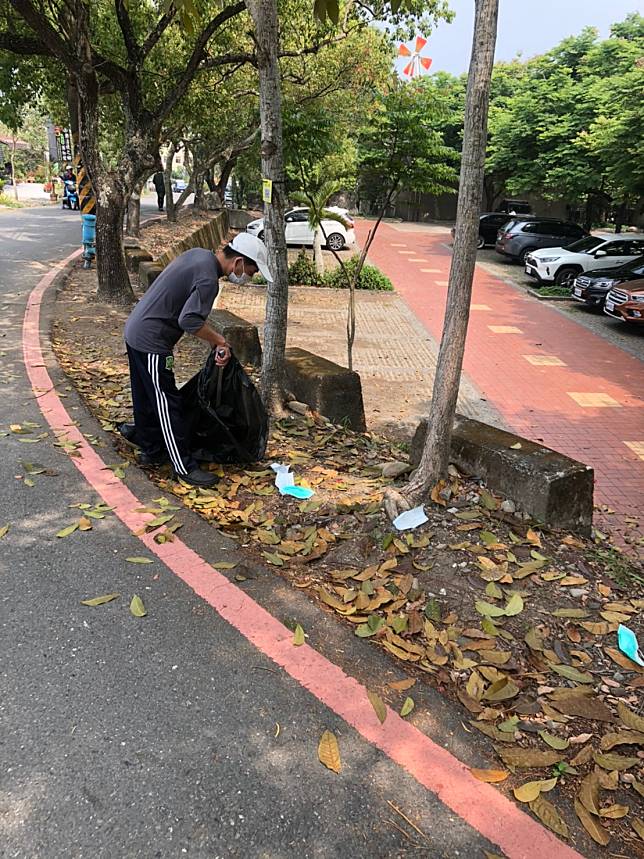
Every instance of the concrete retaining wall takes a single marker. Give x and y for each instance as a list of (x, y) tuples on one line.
[(550, 487), (211, 235)]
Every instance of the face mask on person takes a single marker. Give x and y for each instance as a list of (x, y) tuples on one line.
[(239, 278)]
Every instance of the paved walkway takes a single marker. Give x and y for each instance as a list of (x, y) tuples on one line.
[(551, 379), (394, 354)]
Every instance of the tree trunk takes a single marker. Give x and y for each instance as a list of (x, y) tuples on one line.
[(113, 280), (197, 180), (14, 181), (435, 457), (170, 210), (318, 256), (264, 15), (133, 220)]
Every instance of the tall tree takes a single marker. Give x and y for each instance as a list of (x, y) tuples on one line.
[(435, 458), (267, 40)]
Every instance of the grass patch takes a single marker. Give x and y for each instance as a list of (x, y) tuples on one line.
[(555, 291), (9, 202), (617, 566)]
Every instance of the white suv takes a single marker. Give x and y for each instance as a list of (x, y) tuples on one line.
[(298, 231), (562, 265)]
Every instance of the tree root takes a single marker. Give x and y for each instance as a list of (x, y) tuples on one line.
[(395, 503)]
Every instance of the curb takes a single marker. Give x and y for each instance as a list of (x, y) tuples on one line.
[(539, 297)]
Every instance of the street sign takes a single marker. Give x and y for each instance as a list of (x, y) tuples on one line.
[(267, 190), (59, 140)]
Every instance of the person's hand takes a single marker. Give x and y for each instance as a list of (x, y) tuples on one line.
[(222, 355)]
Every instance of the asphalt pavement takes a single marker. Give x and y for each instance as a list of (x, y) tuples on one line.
[(162, 736)]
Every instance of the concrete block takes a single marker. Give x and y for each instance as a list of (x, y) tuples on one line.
[(550, 487), (134, 257), (239, 219), (241, 335), (148, 273), (330, 389)]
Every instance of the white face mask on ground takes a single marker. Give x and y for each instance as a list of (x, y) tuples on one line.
[(239, 278)]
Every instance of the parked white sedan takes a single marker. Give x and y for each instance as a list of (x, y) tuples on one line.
[(298, 231), (562, 265)]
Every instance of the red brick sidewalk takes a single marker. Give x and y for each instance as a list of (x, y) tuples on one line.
[(552, 380)]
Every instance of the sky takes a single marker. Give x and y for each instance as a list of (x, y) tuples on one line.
[(528, 27)]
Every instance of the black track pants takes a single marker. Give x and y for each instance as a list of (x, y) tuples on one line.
[(157, 408)]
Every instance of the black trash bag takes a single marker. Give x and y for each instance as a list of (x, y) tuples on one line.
[(225, 418)]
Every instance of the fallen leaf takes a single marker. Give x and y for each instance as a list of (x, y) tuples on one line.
[(516, 446), (514, 605), (549, 816), (584, 706), (583, 757), (490, 776), (137, 560), (571, 673), (402, 685), (614, 761), (623, 661), (571, 612), (614, 812), (533, 538), (621, 738), (274, 559), (137, 608), (529, 758), (596, 627), (554, 742), (488, 610), (100, 600), (4, 530), (329, 752), (493, 732), (298, 636), (501, 690), (629, 718), (407, 707), (378, 705), (65, 532), (531, 789), (589, 793), (638, 826), (592, 826), (84, 524)]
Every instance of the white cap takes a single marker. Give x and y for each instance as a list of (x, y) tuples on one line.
[(255, 249)]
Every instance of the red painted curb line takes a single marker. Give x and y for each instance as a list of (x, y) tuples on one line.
[(481, 806)]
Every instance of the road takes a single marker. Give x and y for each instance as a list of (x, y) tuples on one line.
[(173, 734), (552, 379)]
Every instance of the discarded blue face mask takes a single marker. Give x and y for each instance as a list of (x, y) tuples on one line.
[(628, 644), (410, 519), (297, 491)]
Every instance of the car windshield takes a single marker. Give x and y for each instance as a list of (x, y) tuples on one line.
[(584, 245), (633, 266)]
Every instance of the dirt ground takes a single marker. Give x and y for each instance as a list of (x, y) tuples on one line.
[(516, 624)]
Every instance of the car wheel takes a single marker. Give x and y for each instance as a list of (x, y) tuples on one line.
[(524, 253), (335, 241), (566, 276), (481, 243)]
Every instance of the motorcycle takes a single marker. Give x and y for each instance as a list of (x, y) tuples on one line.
[(70, 195)]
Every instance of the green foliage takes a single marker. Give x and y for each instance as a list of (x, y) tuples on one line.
[(371, 278), (403, 146), (568, 123), (302, 272)]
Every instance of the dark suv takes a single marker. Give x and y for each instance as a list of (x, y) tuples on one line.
[(592, 287), (489, 225), (522, 235)]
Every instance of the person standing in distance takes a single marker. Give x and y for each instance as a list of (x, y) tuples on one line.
[(179, 301), (158, 180)]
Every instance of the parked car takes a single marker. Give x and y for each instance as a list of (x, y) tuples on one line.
[(592, 287), (179, 185), (489, 225), (521, 236), (562, 265), (298, 231), (626, 303)]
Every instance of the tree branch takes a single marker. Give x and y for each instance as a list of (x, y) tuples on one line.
[(46, 32), (131, 45), (27, 46), (196, 57), (153, 37)]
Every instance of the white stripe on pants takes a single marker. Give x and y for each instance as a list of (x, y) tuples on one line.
[(164, 415)]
